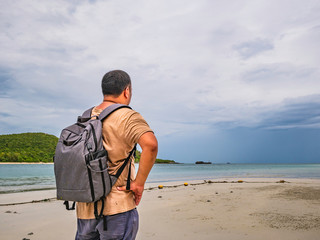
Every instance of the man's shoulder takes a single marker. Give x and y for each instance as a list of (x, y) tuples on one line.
[(128, 115), (121, 112), (125, 114), (125, 111)]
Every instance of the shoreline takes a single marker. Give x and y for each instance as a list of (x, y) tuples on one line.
[(43, 194), (26, 163), (259, 208), (178, 163), (176, 183)]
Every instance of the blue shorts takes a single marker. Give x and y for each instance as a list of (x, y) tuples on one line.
[(119, 226)]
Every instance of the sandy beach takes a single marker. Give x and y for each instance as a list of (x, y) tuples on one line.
[(219, 209)]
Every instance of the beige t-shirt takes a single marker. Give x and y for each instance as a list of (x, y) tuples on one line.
[(121, 131)]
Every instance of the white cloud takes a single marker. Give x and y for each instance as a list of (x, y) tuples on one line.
[(194, 64)]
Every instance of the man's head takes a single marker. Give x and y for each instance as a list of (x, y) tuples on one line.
[(115, 84)]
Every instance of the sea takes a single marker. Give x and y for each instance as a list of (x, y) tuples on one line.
[(31, 177)]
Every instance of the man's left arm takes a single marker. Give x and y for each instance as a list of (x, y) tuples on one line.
[(149, 145)]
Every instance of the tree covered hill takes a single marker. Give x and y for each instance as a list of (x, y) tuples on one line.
[(158, 160), (27, 147), (36, 147)]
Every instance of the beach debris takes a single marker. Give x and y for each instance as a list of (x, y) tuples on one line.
[(8, 212), (216, 192), (281, 181), (186, 184), (240, 181), (159, 196), (30, 233), (231, 191), (160, 186), (208, 200)]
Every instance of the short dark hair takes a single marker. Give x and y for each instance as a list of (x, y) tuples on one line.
[(114, 82)]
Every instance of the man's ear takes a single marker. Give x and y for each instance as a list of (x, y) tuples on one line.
[(127, 92)]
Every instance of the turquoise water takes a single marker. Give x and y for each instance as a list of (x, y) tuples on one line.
[(26, 177), (213, 171)]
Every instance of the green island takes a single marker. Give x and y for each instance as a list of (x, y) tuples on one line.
[(36, 148), (27, 147), (158, 160)]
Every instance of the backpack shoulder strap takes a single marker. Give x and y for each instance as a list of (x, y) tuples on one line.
[(107, 111), (87, 113)]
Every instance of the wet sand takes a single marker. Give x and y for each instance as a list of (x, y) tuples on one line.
[(224, 209)]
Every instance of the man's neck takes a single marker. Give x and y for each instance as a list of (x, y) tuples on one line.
[(111, 101)]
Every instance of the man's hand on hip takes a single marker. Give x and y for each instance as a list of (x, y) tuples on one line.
[(136, 189)]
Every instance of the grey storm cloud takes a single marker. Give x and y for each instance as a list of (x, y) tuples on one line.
[(194, 64), (295, 113)]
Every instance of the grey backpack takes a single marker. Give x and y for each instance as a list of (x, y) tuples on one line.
[(81, 162)]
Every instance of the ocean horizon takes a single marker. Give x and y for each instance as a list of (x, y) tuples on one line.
[(32, 177)]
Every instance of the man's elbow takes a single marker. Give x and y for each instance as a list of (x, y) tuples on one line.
[(149, 143), (153, 147)]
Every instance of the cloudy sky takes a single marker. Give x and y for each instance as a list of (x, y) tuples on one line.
[(220, 81)]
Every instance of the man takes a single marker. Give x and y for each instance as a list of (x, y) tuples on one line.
[(121, 131)]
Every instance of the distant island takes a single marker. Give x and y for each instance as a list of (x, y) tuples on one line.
[(202, 162), (158, 160), (37, 147)]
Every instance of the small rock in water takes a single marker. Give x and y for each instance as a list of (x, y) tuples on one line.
[(231, 191), (159, 196), (216, 192), (8, 212), (31, 233), (25, 239), (208, 200)]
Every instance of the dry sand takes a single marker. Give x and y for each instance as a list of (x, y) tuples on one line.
[(255, 209)]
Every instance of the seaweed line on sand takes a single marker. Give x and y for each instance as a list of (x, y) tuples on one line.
[(151, 188), (33, 201), (209, 182)]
